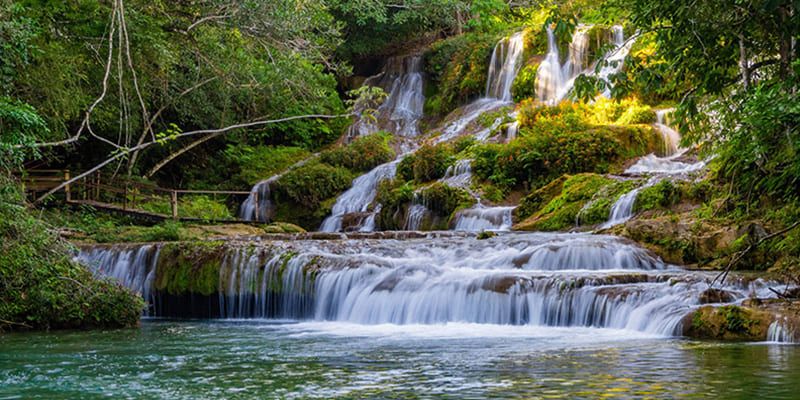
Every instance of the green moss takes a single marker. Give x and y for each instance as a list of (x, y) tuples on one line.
[(561, 211), (394, 195), (309, 185), (524, 85), (659, 196), (362, 155), (282, 227), (444, 200), (189, 268)]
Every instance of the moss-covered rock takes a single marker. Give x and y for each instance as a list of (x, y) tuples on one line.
[(444, 200), (189, 268), (561, 211), (729, 322)]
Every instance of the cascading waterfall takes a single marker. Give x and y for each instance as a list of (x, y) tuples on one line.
[(359, 197), (533, 279), (482, 218), (555, 81), (779, 332), (506, 61), (403, 81), (459, 174), (504, 66), (657, 168), (414, 217)]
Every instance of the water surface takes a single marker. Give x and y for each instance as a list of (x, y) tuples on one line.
[(268, 359)]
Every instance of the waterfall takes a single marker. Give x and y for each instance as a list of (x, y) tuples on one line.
[(359, 197), (248, 209), (504, 66), (132, 266), (459, 174), (403, 81), (512, 131), (779, 332), (671, 137), (416, 213), (521, 279), (550, 79), (481, 218), (555, 81)]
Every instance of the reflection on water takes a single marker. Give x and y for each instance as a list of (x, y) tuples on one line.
[(179, 360)]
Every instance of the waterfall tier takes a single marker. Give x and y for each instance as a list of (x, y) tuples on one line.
[(534, 279)]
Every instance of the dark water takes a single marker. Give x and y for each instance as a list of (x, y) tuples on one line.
[(220, 360)]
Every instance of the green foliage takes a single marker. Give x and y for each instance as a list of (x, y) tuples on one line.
[(362, 155), (394, 195), (663, 195), (20, 125), (41, 287), (524, 85), (639, 114), (257, 163), (312, 183), (444, 200), (427, 164), (457, 68), (561, 212), (194, 206)]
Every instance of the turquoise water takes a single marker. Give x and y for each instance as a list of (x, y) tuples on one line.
[(262, 359)]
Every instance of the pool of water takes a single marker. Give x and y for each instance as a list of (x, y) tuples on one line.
[(284, 359)]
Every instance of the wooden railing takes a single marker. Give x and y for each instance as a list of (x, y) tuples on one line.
[(124, 195)]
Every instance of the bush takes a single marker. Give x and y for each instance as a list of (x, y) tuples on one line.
[(310, 184), (394, 195), (637, 114), (41, 287), (444, 200), (457, 68), (199, 206), (664, 194), (524, 85), (362, 155), (256, 163)]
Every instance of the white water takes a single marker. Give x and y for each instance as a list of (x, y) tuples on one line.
[(504, 66), (563, 280), (459, 174), (248, 209), (403, 81), (133, 267), (658, 168), (512, 131), (779, 332), (416, 213), (556, 80), (482, 218), (359, 197)]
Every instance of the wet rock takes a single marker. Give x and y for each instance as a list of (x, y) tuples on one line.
[(712, 295), (730, 322)]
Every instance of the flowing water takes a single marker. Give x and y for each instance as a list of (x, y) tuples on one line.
[(482, 218), (274, 359), (359, 197), (505, 64), (403, 81), (556, 280), (657, 168)]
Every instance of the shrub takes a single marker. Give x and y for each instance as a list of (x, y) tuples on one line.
[(41, 287), (444, 200), (524, 85), (637, 114), (362, 155), (307, 186), (664, 194), (256, 163), (457, 68)]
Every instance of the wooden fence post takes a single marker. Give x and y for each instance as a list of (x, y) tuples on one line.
[(255, 200), (67, 191), (174, 203)]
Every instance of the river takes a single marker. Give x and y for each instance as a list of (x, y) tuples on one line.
[(285, 359)]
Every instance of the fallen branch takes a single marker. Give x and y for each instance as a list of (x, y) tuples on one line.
[(4, 322), (724, 273), (145, 145)]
